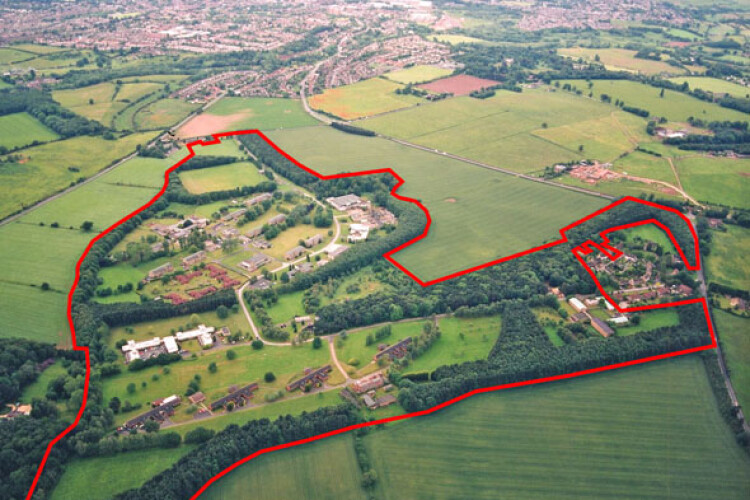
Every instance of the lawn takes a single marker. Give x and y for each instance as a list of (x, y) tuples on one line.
[(22, 129), (651, 320), (355, 347), (287, 307), (245, 113), (621, 59), (322, 469), (715, 85), (222, 177), (734, 334), (727, 263), (417, 74), (675, 106), (365, 98), (41, 172), (723, 181), (478, 215), (123, 472)]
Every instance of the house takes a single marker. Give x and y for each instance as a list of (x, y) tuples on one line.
[(160, 271), (601, 327), (368, 383), (314, 377), (369, 402), (17, 411), (158, 414), (386, 400), (196, 398), (397, 350), (294, 253), (224, 331), (258, 199), (193, 259), (684, 290), (255, 262), (577, 304), (358, 232), (276, 220), (346, 202), (334, 251), (210, 246), (313, 240), (238, 397)]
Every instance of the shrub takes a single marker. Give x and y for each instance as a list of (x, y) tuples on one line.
[(269, 377), (257, 344), (231, 355), (353, 362)]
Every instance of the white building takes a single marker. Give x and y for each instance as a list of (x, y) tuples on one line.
[(618, 320), (577, 304), (358, 232), (171, 344), (202, 333)]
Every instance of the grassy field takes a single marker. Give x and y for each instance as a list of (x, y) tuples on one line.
[(128, 470), (22, 129), (727, 263), (222, 177), (10, 55), (651, 320), (243, 113), (42, 172), (163, 113), (508, 130), (715, 85), (417, 74), (456, 39), (108, 99), (38, 389), (734, 333), (649, 232), (322, 469), (621, 59), (365, 98), (716, 180), (478, 215), (645, 165), (675, 106), (355, 347)]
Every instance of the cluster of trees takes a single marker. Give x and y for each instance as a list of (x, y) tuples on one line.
[(351, 129), (184, 478), (726, 136), (19, 366), (524, 352), (112, 445)]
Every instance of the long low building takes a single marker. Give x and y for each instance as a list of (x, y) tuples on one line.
[(202, 333), (246, 393), (158, 414), (397, 350), (313, 377)]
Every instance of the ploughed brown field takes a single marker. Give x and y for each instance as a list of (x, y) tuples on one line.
[(458, 85)]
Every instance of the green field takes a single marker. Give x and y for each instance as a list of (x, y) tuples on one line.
[(163, 113), (322, 469), (456, 39), (478, 215), (727, 263), (713, 85), (645, 165), (417, 74), (108, 99), (41, 172), (365, 98), (508, 130), (230, 176), (10, 55), (22, 129), (675, 106), (621, 59), (723, 181), (38, 389), (246, 113), (649, 232), (614, 435), (734, 334), (128, 470)]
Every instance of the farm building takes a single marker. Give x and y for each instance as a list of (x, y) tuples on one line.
[(313, 240), (258, 199), (601, 327), (358, 232), (618, 320), (346, 202), (160, 271), (255, 262), (314, 377), (374, 381), (577, 304), (237, 397), (397, 350), (193, 259), (294, 253)]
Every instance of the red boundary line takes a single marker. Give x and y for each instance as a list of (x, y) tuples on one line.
[(583, 249)]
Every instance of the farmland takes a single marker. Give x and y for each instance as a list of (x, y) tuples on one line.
[(244, 113), (727, 262), (417, 74), (163, 113), (675, 106), (365, 98), (459, 197), (103, 101), (323, 469), (733, 332), (222, 177), (615, 434), (713, 85), (640, 164), (621, 59), (22, 129), (458, 85), (722, 181)]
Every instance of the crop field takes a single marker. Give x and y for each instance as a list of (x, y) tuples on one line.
[(724, 181), (645, 165), (735, 340), (129, 470), (322, 469), (508, 130), (727, 263), (478, 215), (40, 173), (715, 85), (22, 129), (365, 98), (245, 113), (107, 99), (222, 177), (458, 85), (163, 113), (675, 106), (417, 74), (621, 59)]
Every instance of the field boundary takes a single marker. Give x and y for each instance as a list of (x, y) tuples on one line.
[(216, 139)]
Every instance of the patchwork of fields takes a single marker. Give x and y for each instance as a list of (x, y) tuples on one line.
[(478, 215), (102, 102)]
